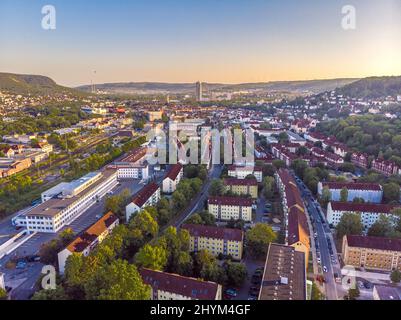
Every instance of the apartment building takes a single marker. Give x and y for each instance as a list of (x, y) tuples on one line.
[(385, 167), (369, 212), (360, 159), (169, 286), (173, 178), (89, 239), (9, 166), (216, 240), (227, 208), (59, 211), (374, 253), (370, 192), (241, 172), (242, 186), (284, 276), (147, 196)]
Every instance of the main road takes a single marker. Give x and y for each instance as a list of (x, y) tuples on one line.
[(324, 240)]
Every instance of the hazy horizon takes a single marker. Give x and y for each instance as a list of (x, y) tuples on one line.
[(229, 42)]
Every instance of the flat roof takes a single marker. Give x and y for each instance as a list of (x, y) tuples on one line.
[(52, 207), (284, 276)]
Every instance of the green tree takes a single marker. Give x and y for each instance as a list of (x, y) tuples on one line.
[(391, 192), (350, 224), (55, 294), (344, 195), (216, 188), (316, 294), (3, 294), (236, 273), (268, 184), (326, 196), (395, 276), (152, 257), (383, 227), (117, 281), (146, 223), (258, 239)]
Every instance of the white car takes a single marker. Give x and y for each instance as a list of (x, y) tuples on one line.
[(325, 269)]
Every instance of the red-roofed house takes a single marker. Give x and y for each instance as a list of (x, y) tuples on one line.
[(147, 196), (173, 178), (85, 242), (169, 286), (374, 253), (216, 240), (227, 208)]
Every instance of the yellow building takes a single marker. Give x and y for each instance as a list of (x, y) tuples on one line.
[(227, 208), (215, 240), (242, 186), (374, 253)]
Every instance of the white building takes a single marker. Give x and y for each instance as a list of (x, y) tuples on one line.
[(148, 196), (370, 192), (241, 172), (88, 240), (173, 178), (227, 208), (369, 212), (55, 213), (2, 283)]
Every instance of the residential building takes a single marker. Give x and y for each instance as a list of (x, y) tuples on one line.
[(370, 192), (372, 253), (198, 91), (216, 240), (241, 172), (155, 115), (169, 286), (147, 196), (284, 276), (242, 186), (89, 239), (360, 160), (173, 178), (9, 167), (385, 167), (369, 212), (228, 208)]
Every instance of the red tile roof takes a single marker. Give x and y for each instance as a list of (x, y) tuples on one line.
[(296, 223), (362, 207), (374, 243), (144, 194), (240, 182), (198, 230), (174, 171), (231, 201), (185, 286), (92, 233), (353, 185)]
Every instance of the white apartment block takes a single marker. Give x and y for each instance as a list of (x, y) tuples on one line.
[(61, 210), (227, 208), (370, 192), (173, 178), (240, 172), (369, 212), (148, 196)]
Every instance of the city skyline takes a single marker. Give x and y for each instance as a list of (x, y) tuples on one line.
[(176, 41)]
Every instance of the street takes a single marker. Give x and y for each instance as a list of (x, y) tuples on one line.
[(322, 238)]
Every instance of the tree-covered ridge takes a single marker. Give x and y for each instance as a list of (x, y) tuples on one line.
[(372, 88), (34, 85), (373, 134)]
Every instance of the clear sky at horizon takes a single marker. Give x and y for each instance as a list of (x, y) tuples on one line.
[(229, 41)]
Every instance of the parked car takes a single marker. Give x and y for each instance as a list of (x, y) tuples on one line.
[(231, 292), (325, 269)]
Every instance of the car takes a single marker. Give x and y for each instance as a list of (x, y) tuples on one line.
[(325, 269), (256, 281), (319, 261), (254, 288), (252, 297), (21, 265), (360, 285), (368, 285), (231, 292), (98, 216)]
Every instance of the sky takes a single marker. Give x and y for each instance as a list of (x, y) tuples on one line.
[(226, 41)]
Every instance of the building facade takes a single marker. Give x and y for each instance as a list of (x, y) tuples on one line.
[(370, 192), (242, 186), (147, 196), (173, 178), (230, 208)]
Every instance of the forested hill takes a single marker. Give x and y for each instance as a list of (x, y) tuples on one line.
[(372, 88), (33, 84)]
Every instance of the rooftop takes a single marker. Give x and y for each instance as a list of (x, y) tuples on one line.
[(353, 185), (374, 243), (185, 286), (362, 207), (144, 194), (284, 276), (231, 201), (240, 182), (198, 230), (174, 171)]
